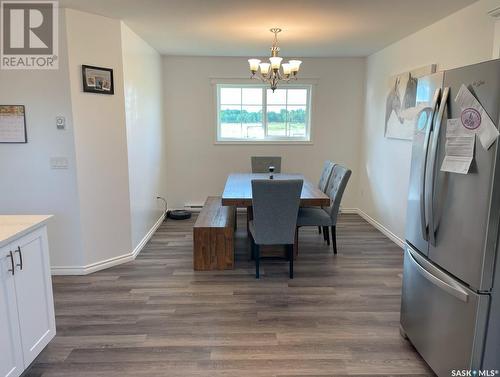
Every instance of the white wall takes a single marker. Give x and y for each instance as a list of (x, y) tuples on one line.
[(100, 214), (100, 138), (142, 74), (463, 38), (27, 183), (196, 167), (496, 42)]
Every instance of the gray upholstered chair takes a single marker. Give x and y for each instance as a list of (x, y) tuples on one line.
[(275, 207), (327, 217), (325, 175), (324, 179), (260, 164)]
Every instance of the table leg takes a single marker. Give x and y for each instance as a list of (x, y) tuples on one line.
[(235, 218)]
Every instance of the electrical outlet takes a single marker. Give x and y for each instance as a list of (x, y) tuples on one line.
[(58, 162)]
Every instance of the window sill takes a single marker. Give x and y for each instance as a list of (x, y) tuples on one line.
[(263, 142)]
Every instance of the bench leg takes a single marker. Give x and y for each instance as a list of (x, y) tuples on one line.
[(290, 259), (319, 230)]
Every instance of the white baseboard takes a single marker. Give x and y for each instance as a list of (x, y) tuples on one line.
[(93, 267), (107, 263), (349, 210), (148, 236), (398, 241)]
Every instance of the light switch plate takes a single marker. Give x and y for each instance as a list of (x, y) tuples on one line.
[(60, 123), (58, 162)]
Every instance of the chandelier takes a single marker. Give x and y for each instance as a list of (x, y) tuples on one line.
[(271, 72)]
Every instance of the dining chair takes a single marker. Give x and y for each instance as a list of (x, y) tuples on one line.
[(275, 208), (326, 173), (261, 164), (327, 217), (325, 178)]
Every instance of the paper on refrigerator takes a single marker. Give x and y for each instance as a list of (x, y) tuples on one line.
[(454, 128), (459, 148), (475, 118)]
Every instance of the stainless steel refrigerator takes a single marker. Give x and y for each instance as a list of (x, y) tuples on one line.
[(450, 308)]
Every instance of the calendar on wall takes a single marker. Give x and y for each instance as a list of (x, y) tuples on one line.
[(12, 124)]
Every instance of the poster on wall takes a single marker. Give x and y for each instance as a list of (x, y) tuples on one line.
[(405, 99), (12, 124)]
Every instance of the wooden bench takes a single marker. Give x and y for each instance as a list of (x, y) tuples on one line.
[(213, 236)]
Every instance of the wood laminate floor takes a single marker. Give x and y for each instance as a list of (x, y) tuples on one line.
[(157, 317)]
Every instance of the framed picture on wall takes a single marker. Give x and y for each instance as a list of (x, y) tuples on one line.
[(97, 80), (13, 124)]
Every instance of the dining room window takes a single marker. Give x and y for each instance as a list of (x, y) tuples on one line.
[(254, 113)]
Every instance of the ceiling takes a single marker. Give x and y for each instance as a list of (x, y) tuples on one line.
[(311, 28)]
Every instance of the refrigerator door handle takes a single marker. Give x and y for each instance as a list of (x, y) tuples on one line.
[(443, 281), (433, 157), (430, 114)]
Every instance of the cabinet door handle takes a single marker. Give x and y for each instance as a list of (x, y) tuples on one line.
[(13, 270), (20, 264)]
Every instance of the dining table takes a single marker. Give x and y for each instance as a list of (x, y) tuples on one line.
[(238, 194), (238, 190)]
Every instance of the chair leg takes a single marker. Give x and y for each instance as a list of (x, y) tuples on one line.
[(295, 246), (334, 239), (319, 230), (327, 235), (257, 261), (290, 258)]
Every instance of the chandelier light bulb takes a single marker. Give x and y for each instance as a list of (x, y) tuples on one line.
[(275, 62), (287, 68), (254, 64), (295, 64), (264, 68)]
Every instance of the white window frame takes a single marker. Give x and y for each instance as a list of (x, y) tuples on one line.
[(307, 139)]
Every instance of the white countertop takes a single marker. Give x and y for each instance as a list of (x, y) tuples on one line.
[(14, 226)]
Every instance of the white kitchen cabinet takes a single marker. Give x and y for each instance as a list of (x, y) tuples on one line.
[(11, 355), (26, 299), (35, 303)]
